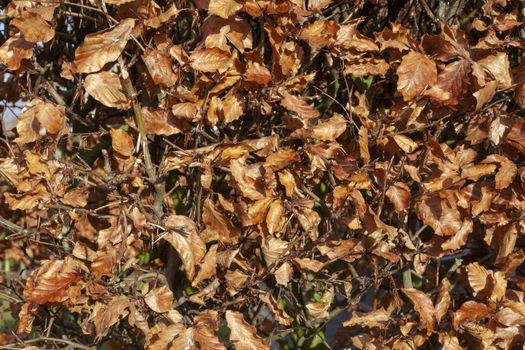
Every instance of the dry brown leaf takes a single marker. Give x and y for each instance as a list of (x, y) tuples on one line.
[(405, 143), (159, 299), (224, 8), (232, 107), (470, 311), (319, 310), (498, 65), (460, 237), (210, 60), (326, 130), (366, 66), (160, 122), (103, 47), (299, 106), (443, 300), (218, 226), (258, 73), (416, 72), (37, 119), (220, 33), (280, 315), (208, 267), (276, 219), (283, 274), (454, 81), (319, 34), (50, 283), (107, 88), (348, 38), (33, 27), (423, 305), (184, 237), (201, 335), (160, 67), (77, 197), (474, 172), (26, 317), (122, 142), (480, 280), (399, 195), (104, 315), (15, 50), (373, 319), (274, 249), (505, 175), (158, 21), (485, 94), (243, 335)]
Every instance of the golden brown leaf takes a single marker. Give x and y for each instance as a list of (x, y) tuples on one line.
[(210, 60), (320, 309), (319, 34), (218, 226), (366, 66), (443, 300), (279, 314), (498, 65), (243, 335), (14, 50), (399, 195), (50, 283), (104, 315), (405, 143), (122, 142), (26, 316), (107, 88), (208, 267), (224, 8), (160, 67), (374, 319), (299, 106), (276, 219), (257, 73), (159, 299), (423, 305), (160, 122), (158, 21), (103, 47), (416, 72), (184, 237), (33, 27)]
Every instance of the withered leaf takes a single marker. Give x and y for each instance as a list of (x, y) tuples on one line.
[(210, 60), (299, 106), (416, 72), (218, 226), (423, 305), (374, 319), (50, 283), (122, 142), (160, 67), (243, 335), (184, 237), (107, 88), (160, 122), (15, 50), (33, 27), (159, 299), (103, 47), (104, 315), (224, 8)]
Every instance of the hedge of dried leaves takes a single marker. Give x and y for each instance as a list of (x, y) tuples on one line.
[(263, 174)]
